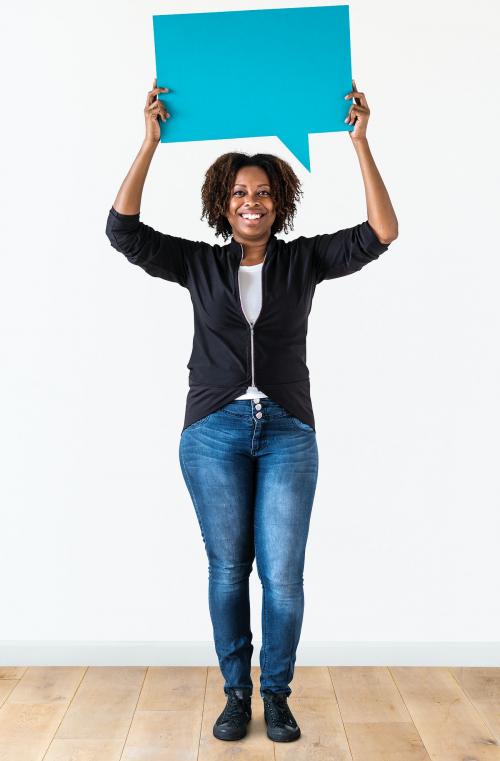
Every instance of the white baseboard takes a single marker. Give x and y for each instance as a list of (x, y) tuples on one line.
[(88, 653)]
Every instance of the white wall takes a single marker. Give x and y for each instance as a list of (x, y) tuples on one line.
[(99, 540)]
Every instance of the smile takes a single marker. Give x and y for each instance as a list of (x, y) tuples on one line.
[(251, 219)]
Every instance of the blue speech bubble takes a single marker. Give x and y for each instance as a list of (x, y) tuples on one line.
[(234, 74)]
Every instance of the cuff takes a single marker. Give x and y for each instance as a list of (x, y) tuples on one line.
[(119, 215), (370, 241)]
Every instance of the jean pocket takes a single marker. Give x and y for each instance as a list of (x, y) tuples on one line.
[(298, 423), (198, 423)]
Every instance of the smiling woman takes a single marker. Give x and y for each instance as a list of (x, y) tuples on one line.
[(248, 449), (237, 184)]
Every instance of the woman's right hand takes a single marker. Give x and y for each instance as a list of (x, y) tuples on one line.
[(153, 110)]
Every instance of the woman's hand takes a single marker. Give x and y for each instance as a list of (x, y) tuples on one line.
[(153, 110), (359, 113)]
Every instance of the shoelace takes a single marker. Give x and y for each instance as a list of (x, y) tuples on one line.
[(279, 711), (233, 711)]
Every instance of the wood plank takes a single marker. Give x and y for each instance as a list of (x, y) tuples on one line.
[(376, 720), (449, 725), (34, 709), (26, 730), (104, 704), (175, 688), (48, 684), (311, 682), (84, 750), (368, 695), (482, 686), (6, 687), (166, 725), (163, 736), (12, 672)]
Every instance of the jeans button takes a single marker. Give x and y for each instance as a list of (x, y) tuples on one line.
[(258, 406), (258, 414)]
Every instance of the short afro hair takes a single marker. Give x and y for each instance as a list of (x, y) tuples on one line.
[(219, 181)]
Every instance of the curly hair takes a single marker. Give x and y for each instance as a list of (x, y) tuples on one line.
[(219, 181)]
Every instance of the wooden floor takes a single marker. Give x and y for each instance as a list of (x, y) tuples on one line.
[(167, 714)]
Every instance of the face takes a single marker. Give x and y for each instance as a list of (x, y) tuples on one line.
[(251, 192)]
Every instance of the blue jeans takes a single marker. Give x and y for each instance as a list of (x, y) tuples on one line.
[(252, 483)]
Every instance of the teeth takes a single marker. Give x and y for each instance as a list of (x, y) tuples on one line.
[(251, 216)]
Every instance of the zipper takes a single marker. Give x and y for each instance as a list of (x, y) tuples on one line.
[(252, 324)]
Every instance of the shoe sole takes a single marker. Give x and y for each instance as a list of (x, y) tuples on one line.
[(230, 735), (280, 737)]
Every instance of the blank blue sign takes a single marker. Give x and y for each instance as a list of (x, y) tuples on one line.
[(238, 74)]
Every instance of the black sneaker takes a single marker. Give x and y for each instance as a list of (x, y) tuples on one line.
[(281, 724), (232, 723)]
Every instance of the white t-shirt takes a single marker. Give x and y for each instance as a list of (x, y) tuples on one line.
[(250, 281)]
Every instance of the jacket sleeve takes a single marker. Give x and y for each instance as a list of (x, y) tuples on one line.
[(345, 251), (159, 254)]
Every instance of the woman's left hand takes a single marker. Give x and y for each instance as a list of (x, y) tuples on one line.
[(359, 113)]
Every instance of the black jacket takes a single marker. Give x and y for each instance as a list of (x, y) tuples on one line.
[(228, 353)]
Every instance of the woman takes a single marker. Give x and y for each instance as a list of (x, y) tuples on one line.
[(248, 450)]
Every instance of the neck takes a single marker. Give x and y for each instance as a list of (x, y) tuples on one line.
[(253, 249)]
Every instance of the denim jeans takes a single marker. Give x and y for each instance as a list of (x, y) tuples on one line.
[(252, 482)]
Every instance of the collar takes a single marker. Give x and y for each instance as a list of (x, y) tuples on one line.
[(235, 247)]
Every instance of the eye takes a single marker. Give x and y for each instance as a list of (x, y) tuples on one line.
[(260, 191)]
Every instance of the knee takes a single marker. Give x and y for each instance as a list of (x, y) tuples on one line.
[(230, 572), (283, 587)]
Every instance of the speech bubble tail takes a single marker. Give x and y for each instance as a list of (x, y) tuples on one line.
[(298, 144)]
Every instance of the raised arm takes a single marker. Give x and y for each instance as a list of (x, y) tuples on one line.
[(380, 212), (128, 200), (348, 250), (159, 254)]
